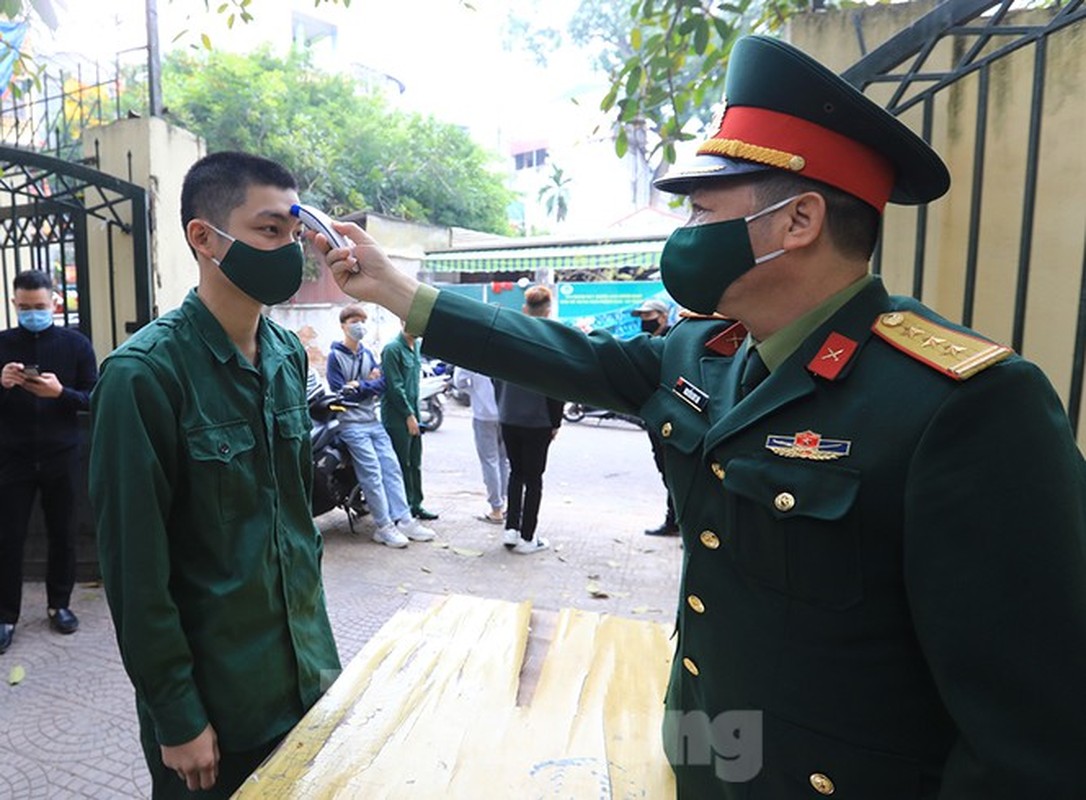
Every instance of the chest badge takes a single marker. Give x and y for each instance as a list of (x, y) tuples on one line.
[(691, 394), (809, 445), (833, 356)]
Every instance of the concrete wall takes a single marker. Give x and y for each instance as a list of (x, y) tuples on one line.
[(160, 155), (1059, 227)]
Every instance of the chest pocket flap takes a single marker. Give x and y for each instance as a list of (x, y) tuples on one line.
[(674, 420), (292, 423), (795, 527), (222, 442)]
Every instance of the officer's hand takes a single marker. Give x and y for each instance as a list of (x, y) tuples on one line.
[(45, 385), (12, 375), (364, 271), (196, 762), (412, 425)]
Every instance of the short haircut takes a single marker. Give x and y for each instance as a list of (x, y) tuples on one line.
[(217, 184), (31, 280), (537, 296), (852, 224), (353, 310)]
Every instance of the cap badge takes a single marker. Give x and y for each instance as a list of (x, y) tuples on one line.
[(808, 445)]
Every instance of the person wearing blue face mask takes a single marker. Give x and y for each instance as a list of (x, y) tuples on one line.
[(48, 373), (200, 478), (883, 513)]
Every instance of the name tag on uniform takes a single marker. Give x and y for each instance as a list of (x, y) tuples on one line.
[(691, 394)]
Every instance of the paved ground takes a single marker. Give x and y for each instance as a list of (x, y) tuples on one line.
[(67, 730)]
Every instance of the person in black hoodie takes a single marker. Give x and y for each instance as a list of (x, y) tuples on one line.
[(529, 423), (48, 373)]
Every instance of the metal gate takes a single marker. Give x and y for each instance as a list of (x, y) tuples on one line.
[(944, 61), (50, 209)]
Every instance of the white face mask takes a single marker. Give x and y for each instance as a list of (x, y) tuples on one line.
[(357, 331)]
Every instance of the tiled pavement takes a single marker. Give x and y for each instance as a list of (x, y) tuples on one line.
[(67, 730)]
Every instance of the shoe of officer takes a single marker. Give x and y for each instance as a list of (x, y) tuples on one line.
[(7, 633), (663, 530), (62, 620), (422, 513), (525, 547)]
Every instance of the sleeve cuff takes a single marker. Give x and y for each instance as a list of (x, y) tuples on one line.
[(418, 317), (180, 720)]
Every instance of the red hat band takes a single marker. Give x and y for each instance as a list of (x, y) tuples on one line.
[(796, 145)]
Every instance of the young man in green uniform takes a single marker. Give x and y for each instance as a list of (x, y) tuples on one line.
[(883, 514), (402, 366), (200, 477)]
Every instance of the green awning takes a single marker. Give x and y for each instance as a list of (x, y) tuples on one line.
[(644, 253)]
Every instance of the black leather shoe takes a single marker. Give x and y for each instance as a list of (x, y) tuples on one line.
[(422, 513), (62, 620), (663, 530), (7, 633)]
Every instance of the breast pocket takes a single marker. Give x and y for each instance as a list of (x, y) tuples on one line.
[(222, 473), (292, 451), (682, 429), (793, 527)]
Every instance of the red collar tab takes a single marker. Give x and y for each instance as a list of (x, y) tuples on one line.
[(832, 356), (727, 342)]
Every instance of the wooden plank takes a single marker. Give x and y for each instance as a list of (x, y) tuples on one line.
[(428, 709)]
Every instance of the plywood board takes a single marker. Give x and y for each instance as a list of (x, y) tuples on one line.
[(429, 709)]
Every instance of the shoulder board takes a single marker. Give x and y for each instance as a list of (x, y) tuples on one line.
[(953, 352), (686, 314)]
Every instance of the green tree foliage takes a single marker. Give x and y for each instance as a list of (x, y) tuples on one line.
[(673, 68), (348, 150)]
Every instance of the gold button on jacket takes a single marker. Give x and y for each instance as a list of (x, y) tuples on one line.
[(822, 784)]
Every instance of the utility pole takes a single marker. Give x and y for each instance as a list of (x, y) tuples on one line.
[(154, 61)]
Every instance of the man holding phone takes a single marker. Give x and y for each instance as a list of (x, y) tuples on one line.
[(48, 373)]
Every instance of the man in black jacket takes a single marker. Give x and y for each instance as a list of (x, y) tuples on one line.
[(47, 376)]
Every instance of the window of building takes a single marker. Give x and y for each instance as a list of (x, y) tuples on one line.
[(531, 158)]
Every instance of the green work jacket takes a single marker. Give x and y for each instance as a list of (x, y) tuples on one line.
[(401, 366), (884, 581), (200, 476)]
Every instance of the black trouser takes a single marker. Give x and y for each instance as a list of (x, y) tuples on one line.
[(527, 452), (658, 457), (57, 482)]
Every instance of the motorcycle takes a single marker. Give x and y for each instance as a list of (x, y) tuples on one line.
[(575, 412), (434, 383), (334, 481)]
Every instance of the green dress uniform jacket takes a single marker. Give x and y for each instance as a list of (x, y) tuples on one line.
[(900, 600), (402, 366), (200, 478)]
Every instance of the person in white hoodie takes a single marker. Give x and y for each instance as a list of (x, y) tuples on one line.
[(353, 373), (489, 445)]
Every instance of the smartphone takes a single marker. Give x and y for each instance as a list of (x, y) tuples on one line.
[(31, 371)]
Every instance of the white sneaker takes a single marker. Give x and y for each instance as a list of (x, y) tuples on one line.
[(510, 538), (389, 536), (527, 548), (414, 530)]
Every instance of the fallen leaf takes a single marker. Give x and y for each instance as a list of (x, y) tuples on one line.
[(401, 589), (426, 569), (441, 545), (15, 677), (463, 551), (595, 591), (594, 577), (612, 564)]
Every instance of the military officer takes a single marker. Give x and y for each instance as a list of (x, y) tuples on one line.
[(883, 513)]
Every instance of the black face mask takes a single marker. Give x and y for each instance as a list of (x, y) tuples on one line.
[(649, 325)]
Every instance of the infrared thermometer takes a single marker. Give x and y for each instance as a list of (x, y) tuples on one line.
[(319, 222)]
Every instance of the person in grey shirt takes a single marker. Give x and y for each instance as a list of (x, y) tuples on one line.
[(529, 424), (489, 446)]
